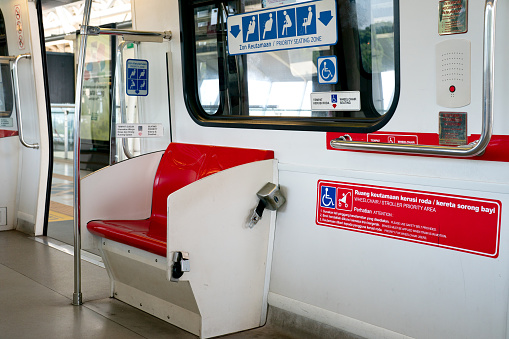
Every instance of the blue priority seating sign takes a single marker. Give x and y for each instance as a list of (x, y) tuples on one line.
[(300, 25), (137, 77)]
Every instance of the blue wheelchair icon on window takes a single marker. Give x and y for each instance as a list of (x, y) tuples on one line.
[(328, 197), (327, 70)]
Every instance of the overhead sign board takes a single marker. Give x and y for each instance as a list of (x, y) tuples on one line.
[(300, 25)]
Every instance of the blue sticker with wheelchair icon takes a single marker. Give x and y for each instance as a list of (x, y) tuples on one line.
[(327, 70), (328, 197)]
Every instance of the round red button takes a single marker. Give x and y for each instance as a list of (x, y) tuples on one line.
[(452, 89)]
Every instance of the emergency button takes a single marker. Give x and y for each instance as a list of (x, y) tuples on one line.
[(452, 89)]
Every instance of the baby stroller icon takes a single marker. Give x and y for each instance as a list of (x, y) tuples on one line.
[(342, 203)]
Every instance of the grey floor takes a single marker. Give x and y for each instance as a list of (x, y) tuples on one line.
[(36, 293), (36, 288)]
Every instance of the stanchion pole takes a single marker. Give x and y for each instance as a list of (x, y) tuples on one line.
[(77, 298)]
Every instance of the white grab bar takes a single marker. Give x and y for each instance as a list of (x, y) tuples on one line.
[(15, 79)]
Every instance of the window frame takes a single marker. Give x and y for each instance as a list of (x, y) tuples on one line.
[(340, 124)]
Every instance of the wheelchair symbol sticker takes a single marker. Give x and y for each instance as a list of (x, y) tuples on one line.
[(327, 70), (345, 199), (328, 197)]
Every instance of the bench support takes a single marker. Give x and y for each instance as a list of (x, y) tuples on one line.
[(226, 289), (138, 278)]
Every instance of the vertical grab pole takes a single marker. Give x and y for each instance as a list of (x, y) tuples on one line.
[(123, 110), (77, 296)]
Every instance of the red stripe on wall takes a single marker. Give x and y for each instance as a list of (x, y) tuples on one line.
[(5, 133)]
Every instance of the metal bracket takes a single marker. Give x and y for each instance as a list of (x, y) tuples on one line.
[(270, 198)]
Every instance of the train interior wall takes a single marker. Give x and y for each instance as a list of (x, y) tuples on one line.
[(378, 287)]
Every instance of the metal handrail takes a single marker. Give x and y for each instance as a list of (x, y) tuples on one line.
[(57, 37), (123, 113), (7, 59), (95, 30), (63, 105), (15, 79), (472, 149), (77, 298)]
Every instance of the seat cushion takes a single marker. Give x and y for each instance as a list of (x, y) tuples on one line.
[(180, 165), (183, 164), (136, 233)]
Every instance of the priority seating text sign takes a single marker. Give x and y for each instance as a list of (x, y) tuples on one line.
[(459, 223), (287, 27)]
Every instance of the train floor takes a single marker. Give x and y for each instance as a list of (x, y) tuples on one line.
[(36, 293)]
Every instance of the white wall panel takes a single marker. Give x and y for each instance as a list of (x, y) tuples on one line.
[(408, 288)]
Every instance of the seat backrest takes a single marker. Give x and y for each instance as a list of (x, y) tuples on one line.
[(182, 164)]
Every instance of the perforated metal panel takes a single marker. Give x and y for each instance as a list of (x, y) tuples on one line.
[(453, 73)]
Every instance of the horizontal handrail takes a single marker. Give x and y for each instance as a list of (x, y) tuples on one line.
[(15, 79), (7, 59), (63, 106), (94, 30), (472, 149), (57, 37)]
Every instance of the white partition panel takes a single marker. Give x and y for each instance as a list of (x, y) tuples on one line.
[(208, 219)]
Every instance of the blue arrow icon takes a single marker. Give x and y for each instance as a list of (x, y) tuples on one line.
[(235, 31), (325, 17)]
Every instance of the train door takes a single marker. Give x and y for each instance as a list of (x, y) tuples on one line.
[(24, 142)]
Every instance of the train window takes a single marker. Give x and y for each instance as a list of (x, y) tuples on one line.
[(273, 89), (6, 97)]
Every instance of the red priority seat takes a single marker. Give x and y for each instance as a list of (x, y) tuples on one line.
[(180, 165)]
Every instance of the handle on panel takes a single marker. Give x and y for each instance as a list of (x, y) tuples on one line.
[(121, 93), (15, 79)]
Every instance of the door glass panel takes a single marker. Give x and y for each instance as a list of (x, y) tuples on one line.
[(146, 108), (96, 102), (6, 96)]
